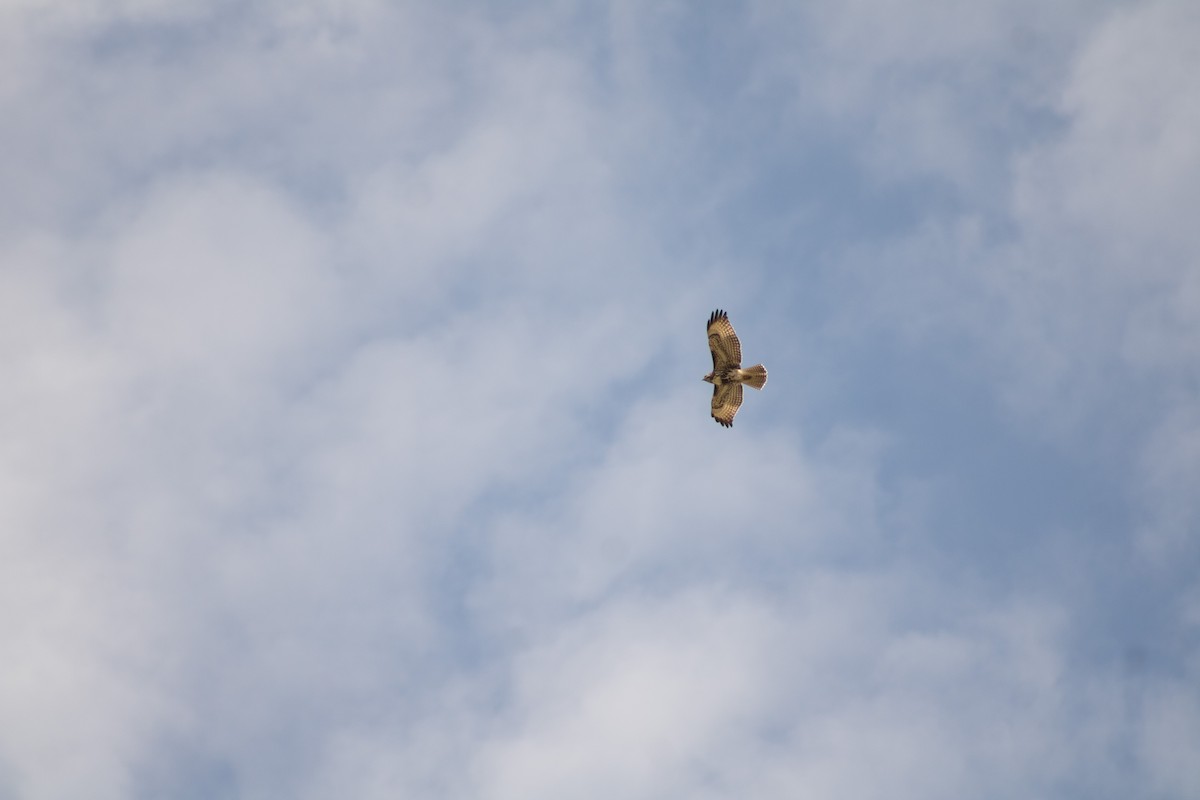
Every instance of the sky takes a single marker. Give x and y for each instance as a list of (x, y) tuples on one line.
[(353, 443)]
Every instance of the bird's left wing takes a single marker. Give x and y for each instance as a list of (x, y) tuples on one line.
[(723, 342)]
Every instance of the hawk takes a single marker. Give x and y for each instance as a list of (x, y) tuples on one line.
[(728, 376)]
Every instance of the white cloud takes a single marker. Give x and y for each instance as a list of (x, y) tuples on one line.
[(216, 274), (633, 703), (1102, 208), (1169, 731), (1167, 470), (937, 92), (1123, 173), (1084, 276), (353, 433)]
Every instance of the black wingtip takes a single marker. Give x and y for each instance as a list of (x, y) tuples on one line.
[(716, 315)]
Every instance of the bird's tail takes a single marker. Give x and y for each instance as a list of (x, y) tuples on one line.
[(755, 376)]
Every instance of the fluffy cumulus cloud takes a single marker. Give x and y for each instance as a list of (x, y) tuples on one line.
[(353, 441)]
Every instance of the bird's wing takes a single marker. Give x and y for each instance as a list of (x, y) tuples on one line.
[(723, 342), (725, 402)]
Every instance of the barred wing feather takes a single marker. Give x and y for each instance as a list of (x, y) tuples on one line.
[(723, 342), (725, 402)]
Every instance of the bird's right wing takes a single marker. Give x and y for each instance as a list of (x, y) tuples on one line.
[(726, 400)]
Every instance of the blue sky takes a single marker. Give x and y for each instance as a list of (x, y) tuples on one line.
[(354, 443)]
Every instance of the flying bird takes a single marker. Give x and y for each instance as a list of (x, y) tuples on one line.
[(728, 376)]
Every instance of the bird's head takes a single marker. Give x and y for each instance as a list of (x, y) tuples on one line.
[(708, 377)]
